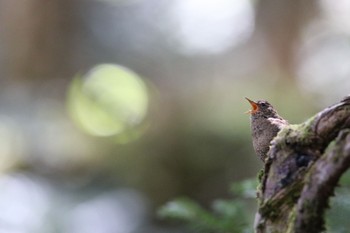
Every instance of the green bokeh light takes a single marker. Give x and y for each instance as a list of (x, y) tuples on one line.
[(109, 100)]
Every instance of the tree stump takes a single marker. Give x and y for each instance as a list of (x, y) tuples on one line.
[(303, 168)]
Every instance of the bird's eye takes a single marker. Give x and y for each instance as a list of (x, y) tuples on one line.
[(263, 104)]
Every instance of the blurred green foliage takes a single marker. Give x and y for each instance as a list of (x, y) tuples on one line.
[(224, 216), (231, 215), (337, 217)]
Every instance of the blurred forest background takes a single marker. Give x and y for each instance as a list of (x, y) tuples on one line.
[(111, 108)]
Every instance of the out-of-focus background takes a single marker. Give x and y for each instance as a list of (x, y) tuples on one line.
[(111, 108)]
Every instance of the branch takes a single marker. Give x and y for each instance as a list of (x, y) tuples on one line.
[(320, 183), (294, 172)]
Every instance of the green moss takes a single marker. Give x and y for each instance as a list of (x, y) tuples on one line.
[(291, 134), (285, 200), (291, 221), (261, 174), (268, 210), (331, 147)]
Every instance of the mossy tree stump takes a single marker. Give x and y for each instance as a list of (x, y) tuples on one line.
[(303, 168)]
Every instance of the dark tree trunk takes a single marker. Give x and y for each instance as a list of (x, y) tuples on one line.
[(304, 166)]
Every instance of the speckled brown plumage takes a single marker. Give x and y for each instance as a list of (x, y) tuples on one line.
[(265, 124)]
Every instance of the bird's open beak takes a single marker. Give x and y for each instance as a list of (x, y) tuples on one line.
[(254, 105)]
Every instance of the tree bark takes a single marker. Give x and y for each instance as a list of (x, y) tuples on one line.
[(303, 168)]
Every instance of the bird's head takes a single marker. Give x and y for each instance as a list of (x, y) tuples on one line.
[(261, 108)]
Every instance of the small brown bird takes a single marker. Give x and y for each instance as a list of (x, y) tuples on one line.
[(265, 124)]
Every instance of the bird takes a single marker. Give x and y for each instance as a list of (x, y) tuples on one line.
[(265, 125)]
